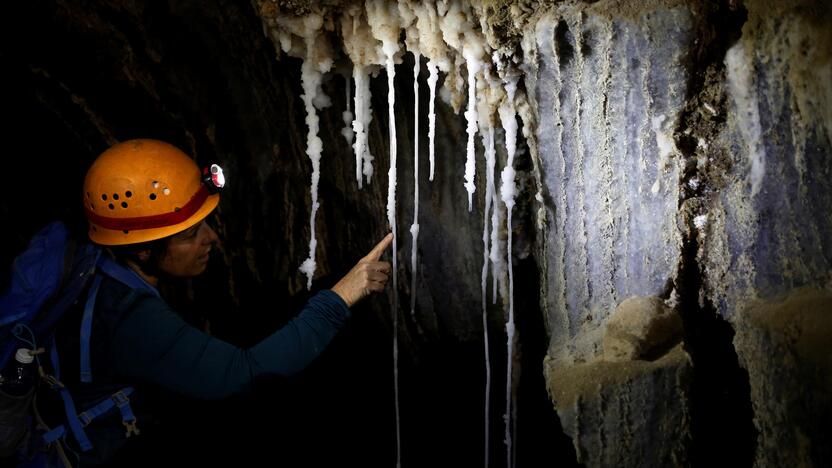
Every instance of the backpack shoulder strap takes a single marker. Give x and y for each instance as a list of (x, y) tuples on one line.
[(124, 275)]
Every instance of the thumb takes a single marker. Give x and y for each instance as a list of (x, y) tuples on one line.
[(379, 249)]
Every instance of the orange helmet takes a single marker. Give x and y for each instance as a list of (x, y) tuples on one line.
[(143, 190)]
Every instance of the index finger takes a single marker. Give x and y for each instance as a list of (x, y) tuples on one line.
[(379, 249)]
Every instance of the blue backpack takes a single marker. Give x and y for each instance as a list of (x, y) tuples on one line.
[(47, 279)]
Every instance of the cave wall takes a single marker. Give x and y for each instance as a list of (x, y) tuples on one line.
[(609, 92), (684, 153), (767, 254)]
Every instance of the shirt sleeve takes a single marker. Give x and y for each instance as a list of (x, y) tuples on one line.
[(153, 343)]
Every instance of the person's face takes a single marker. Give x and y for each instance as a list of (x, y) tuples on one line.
[(187, 251)]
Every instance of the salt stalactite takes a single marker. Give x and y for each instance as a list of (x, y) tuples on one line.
[(433, 77), (460, 36), (508, 192), (360, 79), (472, 51), (311, 73), (490, 93), (408, 23), (364, 159), (414, 228), (433, 47), (489, 191), (495, 95), (390, 50), (498, 263), (444, 33), (361, 47), (347, 131), (496, 254), (385, 27)]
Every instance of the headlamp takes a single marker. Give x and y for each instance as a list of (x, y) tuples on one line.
[(213, 178)]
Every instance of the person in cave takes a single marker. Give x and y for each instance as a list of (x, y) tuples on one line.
[(146, 203)]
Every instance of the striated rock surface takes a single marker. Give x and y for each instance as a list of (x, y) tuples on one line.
[(687, 156), (608, 85), (607, 92)]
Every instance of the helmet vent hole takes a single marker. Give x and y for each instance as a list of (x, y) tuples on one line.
[(88, 195), (92, 207), (166, 191), (112, 207), (177, 209), (115, 196), (124, 204), (152, 196), (104, 196), (128, 194), (155, 184), (126, 231)]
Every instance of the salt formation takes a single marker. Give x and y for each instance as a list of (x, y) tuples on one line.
[(317, 61), (432, 46), (740, 71), (508, 190), (385, 27), (432, 78), (471, 54), (408, 23), (489, 171), (414, 228), (347, 131), (362, 51), (445, 34)]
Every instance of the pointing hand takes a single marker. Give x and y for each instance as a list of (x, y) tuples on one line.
[(367, 276)]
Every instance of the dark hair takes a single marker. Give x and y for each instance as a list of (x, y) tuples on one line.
[(158, 249)]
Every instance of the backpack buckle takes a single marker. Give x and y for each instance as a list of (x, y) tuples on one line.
[(127, 418), (120, 399), (131, 428), (85, 419)]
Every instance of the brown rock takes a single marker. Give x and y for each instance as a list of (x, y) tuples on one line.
[(641, 328)]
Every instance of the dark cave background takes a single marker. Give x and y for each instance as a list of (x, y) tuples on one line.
[(79, 76)]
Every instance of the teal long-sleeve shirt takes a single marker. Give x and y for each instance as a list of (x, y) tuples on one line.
[(153, 343)]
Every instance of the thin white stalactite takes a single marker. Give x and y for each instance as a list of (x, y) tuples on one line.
[(508, 191), (473, 64), (489, 191), (433, 77), (390, 50), (359, 76), (496, 255), (384, 22), (310, 81), (366, 118), (347, 115), (414, 228)]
